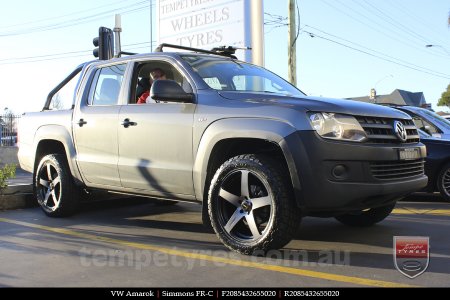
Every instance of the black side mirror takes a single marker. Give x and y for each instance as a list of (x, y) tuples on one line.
[(170, 91)]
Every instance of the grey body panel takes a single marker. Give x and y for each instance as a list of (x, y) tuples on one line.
[(97, 144), (35, 128), (156, 153)]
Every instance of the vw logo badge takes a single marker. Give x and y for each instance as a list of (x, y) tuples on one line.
[(400, 131)]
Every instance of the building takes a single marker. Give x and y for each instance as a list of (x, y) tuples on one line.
[(397, 97)]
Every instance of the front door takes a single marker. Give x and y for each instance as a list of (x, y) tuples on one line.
[(155, 142), (155, 153)]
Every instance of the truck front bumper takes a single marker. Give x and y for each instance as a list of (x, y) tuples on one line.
[(332, 177)]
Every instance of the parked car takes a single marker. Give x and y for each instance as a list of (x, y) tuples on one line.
[(428, 121), (437, 164)]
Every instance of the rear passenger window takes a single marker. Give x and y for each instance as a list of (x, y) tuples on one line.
[(106, 85), (65, 97)]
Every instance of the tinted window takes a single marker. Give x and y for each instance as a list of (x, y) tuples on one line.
[(106, 85)]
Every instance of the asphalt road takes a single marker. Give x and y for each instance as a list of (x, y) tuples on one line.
[(139, 243)]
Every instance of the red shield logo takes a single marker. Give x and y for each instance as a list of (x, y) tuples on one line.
[(411, 255)]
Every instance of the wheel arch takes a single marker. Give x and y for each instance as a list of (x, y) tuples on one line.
[(231, 137), (56, 139), (436, 177)]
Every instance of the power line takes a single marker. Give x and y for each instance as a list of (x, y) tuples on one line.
[(77, 21), (374, 51), (398, 38), (56, 56), (392, 21), (66, 15), (433, 73), (418, 19)]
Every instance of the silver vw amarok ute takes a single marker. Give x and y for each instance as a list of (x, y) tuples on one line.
[(255, 151)]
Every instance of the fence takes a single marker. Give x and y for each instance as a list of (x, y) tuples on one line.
[(8, 130)]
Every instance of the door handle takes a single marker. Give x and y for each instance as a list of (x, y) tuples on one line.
[(81, 122), (126, 123)]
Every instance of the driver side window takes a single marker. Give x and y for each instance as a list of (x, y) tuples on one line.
[(425, 125), (147, 72)]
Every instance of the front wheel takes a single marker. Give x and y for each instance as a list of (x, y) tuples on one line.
[(366, 218), (250, 205), (55, 191)]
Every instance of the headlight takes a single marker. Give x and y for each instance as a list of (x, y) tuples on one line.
[(337, 127)]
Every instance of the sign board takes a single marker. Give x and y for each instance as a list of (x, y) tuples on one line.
[(206, 24)]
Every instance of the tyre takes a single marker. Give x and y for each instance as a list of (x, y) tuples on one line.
[(443, 182), (251, 206), (366, 218), (55, 190)]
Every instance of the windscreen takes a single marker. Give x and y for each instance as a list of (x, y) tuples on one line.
[(230, 75)]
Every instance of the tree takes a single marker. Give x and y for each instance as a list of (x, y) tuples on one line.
[(57, 102), (445, 98)]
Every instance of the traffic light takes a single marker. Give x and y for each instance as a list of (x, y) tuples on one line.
[(105, 44)]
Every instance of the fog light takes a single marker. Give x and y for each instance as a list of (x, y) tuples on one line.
[(340, 172)]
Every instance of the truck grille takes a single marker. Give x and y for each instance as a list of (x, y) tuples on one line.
[(389, 170), (381, 130)]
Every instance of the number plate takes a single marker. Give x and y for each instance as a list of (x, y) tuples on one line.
[(409, 153)]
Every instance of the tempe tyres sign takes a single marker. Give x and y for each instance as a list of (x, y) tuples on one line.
[(207, 24)]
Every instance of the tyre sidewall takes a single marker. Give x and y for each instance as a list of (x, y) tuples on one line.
[(266, 176), (68, 194)]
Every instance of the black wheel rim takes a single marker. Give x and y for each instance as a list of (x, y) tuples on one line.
[(48, 187), (446, 182), (245, 206)]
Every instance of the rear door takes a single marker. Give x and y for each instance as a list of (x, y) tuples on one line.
[(95, 126)]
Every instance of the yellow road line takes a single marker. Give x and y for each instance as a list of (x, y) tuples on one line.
[(415, 211), (235, 262)]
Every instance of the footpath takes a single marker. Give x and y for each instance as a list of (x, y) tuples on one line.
[(19, 192)]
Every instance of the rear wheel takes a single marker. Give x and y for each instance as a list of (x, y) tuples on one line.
[(366, 218), (250, 205), (55, 191), (443, 182)]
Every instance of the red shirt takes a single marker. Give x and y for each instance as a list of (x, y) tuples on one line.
[(143, 97)]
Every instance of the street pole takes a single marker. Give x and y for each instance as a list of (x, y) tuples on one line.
[(257, 30), (292, 60), (117, 30), (151, 27)]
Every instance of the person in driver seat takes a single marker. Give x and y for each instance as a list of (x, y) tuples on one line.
[(155, 74)]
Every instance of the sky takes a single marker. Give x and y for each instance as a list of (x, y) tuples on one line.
[(344, 47)]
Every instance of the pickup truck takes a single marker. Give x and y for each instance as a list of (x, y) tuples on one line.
[(255, 151)]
